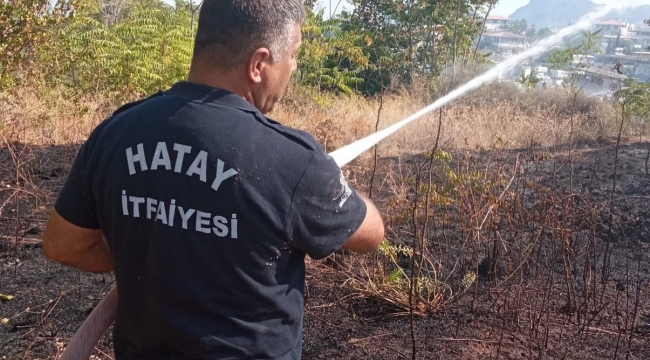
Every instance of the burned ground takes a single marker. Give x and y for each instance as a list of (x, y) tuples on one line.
[(580, 290)]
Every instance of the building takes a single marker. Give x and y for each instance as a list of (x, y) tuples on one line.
[(641, 38), (613, 27), (601, 81), (497, 22), (635, 66), (583, 59), (641, 66), (502, 44), (614, 34)]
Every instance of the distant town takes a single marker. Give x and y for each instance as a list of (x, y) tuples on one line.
[(624, 53)]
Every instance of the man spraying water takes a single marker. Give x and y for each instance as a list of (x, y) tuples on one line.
[(205, 208), (83, 342)]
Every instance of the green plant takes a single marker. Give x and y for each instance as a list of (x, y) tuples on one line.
[(572, 58), (329, 58), (528, 81), (25, 26), (148, 50)]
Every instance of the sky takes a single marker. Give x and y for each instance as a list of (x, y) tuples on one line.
[(335, 5), (504, 7), (507, 7)]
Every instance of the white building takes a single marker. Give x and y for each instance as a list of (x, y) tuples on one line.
[(583, 59), (497, 22), (613, 32), (503, 44), (613, 27), (641, 38)]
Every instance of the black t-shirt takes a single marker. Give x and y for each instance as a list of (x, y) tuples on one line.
[(209, 208)]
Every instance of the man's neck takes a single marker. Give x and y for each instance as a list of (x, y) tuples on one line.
[(221, 80)]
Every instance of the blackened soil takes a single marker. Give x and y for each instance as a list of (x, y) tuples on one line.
[(514, 318)]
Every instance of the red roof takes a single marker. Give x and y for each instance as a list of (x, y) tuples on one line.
[(504, 34), (497, 17), (611, 22)]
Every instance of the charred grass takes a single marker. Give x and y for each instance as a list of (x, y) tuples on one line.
[(506, 238)]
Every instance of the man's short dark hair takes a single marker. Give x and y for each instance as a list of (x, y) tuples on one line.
[(230, 30)]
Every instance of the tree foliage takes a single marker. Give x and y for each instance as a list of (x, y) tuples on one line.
[(150, 48), (572, 58), (330, 58), (415, 38), (26, 25), (139, 46), (519, 27), (528, 81), (636, 98)]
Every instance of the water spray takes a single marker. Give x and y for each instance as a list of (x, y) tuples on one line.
[(350, 152), (82, 344)]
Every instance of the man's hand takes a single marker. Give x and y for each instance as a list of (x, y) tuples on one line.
[(371, 232), (71, 245)]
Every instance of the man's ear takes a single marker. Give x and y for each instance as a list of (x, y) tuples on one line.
[(257, 63)]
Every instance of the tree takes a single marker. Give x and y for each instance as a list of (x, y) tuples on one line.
[(415, 38), (572, 58), (636, 96), (138, 46), (309, 4), (24, 26), (149, 48), (610, 47), (374, 23), (330, 58), (528, 81), (519, 27), (112, 11), (544, 32)]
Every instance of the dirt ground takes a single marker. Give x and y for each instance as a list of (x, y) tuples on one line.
[(512, 319)]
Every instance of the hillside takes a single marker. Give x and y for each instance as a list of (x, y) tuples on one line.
[(634, 15), (555, 13)]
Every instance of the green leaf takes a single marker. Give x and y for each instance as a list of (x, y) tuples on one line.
[(394, 277)]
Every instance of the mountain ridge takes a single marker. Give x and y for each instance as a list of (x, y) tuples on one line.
[(556, 13)]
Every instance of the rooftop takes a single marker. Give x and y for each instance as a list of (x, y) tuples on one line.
[(497, 17), (611, 22), (504, 34), (620, 56), (604, 72)]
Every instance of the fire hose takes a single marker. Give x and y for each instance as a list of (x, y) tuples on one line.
[(82, 344)]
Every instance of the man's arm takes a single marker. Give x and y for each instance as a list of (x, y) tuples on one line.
[(71, 245), (326, 214), (371, 232)]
